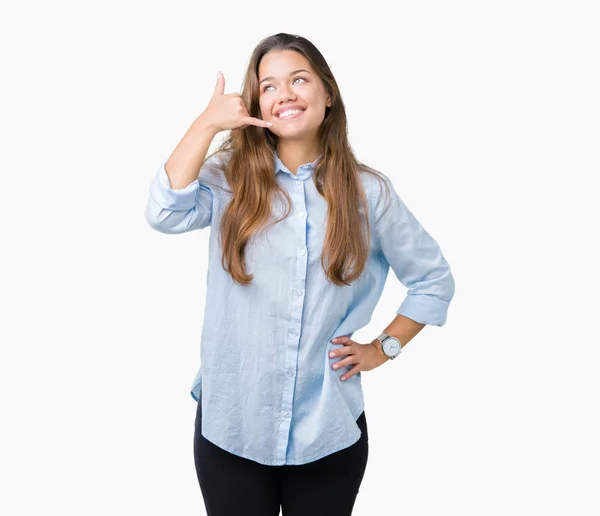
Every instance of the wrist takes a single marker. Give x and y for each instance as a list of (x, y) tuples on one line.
[(377, 345), (203, 125)]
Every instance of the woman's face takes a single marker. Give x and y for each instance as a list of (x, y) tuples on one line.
[(280, 89)]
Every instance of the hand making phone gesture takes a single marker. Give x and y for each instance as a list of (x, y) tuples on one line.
[(227, 110)]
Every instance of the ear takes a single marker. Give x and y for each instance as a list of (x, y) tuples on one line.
[(328, 101)]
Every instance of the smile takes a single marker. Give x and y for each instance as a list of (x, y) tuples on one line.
[(287, 115)]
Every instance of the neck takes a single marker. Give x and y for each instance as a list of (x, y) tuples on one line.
[(295, 153)]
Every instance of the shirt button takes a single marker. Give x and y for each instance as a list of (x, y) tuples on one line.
[(301, 214), (299, 292), (286, 414), (290, 373), (302, 252), (293, 332), (298, 181)]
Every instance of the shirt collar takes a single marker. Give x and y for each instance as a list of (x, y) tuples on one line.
[(304, 171)]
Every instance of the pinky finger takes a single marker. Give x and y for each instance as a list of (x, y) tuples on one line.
[(257, 121), (350, 373)]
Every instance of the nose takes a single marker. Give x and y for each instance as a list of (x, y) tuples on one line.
[(285, 93)]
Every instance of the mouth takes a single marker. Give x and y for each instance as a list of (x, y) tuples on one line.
[(289, 116)]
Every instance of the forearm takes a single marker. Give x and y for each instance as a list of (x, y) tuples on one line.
[(403, 328), (183, 166)]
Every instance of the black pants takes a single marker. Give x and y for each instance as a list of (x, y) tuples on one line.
[(236, 486)]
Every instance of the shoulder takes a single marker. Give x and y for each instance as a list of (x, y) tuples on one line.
[(377, 185), (385, 203)]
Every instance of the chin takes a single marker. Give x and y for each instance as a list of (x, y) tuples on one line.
[(299, 132)]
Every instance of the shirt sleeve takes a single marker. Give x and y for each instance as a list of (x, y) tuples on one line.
[(416, 259), (178, 210)]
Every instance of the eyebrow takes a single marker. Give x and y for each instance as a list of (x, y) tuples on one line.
[(291, 73)]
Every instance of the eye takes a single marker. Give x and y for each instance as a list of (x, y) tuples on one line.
[(298, 77)]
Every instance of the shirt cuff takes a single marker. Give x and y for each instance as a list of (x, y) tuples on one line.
[(173, 199), (424, 309)]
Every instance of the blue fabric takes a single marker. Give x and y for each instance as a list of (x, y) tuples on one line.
[(268, 391)]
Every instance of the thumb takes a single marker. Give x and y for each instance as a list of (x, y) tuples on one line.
[(220, 87)]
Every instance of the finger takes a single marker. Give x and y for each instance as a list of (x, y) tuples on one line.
[(256, 121), (346, 350), (348, 361), (220, 87), (350, 373), (341, 340)]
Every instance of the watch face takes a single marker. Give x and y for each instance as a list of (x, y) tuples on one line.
[(391, 347)]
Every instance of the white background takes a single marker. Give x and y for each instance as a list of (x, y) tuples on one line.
[(486, 117)]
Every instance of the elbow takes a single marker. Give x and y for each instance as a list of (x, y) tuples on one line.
[(444, 297), (174, 222), (152, 215), (448, 286), (428, 301), (158, 218)]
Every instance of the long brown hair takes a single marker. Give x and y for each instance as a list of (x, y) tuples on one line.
[(249, 174)]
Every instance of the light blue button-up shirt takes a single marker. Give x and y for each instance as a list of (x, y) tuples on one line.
[(268, 391)]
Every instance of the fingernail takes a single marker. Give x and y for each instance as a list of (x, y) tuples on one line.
[(269, 124), (334, 340), (332, 354)]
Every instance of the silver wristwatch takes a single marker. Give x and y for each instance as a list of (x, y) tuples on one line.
[(390, 346)]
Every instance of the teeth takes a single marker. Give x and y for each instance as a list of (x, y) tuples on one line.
[(289, 112)]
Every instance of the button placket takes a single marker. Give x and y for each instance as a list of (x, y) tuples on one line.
[(290, 368)]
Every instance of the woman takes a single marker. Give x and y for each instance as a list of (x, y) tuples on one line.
[(302, 241)]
